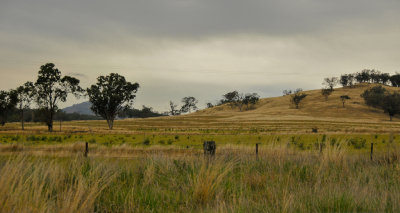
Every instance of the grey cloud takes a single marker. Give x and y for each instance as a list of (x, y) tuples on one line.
[(204, 48), (184, 18)]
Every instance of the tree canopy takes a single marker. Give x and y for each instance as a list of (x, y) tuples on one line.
[(8, 101), (297, 97), (51, 88), (379, 97), (145, 112), (25, 95), (330, 82), (343, 98), (110, 95), (374, 96), (173, 109), (326, 93), (251, 99), (189, 104)]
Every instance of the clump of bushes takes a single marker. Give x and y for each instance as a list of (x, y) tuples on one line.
[(357, 143), (146, 141)]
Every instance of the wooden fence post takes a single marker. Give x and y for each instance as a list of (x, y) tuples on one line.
[(86, 149), (320, 147), (209, 148), (372, 150), (257, 151)]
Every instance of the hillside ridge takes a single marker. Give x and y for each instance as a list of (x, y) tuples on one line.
[(314, 106)]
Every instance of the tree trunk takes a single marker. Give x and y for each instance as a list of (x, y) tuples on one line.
[(343, 104), (240, 106), (391, 117), (22, 119), (50, 122), (110, 123)]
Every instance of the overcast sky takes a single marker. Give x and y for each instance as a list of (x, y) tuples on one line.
[(200, 48)]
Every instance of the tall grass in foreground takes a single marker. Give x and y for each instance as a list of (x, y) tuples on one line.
[(282, 180)]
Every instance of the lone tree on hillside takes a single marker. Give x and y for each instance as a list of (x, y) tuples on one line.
[(374, 96), (189, 104), (391, 104), (25, 94), (209, 105), (395, 80), (8, 101), (379, 97), (173, 109), (343, 98), (330, 82), (251, 99), (110, 95), (326, 93), (50, 89), (346, 80), (287, 92), (297, 97), (233, 98)]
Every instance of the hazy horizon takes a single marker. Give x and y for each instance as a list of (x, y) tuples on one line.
[(198, 48)]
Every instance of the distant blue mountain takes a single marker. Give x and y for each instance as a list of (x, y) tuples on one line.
[(82, 108)]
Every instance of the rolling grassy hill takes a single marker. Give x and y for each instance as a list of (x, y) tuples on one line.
[(313, 107)]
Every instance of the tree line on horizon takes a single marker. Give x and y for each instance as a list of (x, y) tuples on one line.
[(110, 97), (365, 76), (377, 96)]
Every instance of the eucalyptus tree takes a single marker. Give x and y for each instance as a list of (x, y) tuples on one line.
[(374, 96), (51, 89), (379, 97), (251, 99), (395, 80), (8, 101), (331, 82), (297, 97), (110, 95), (347, 80), (343, 98), (326, 93), (173, 109), (391, 104), (25, 95), (189, 104), (209, 105)]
